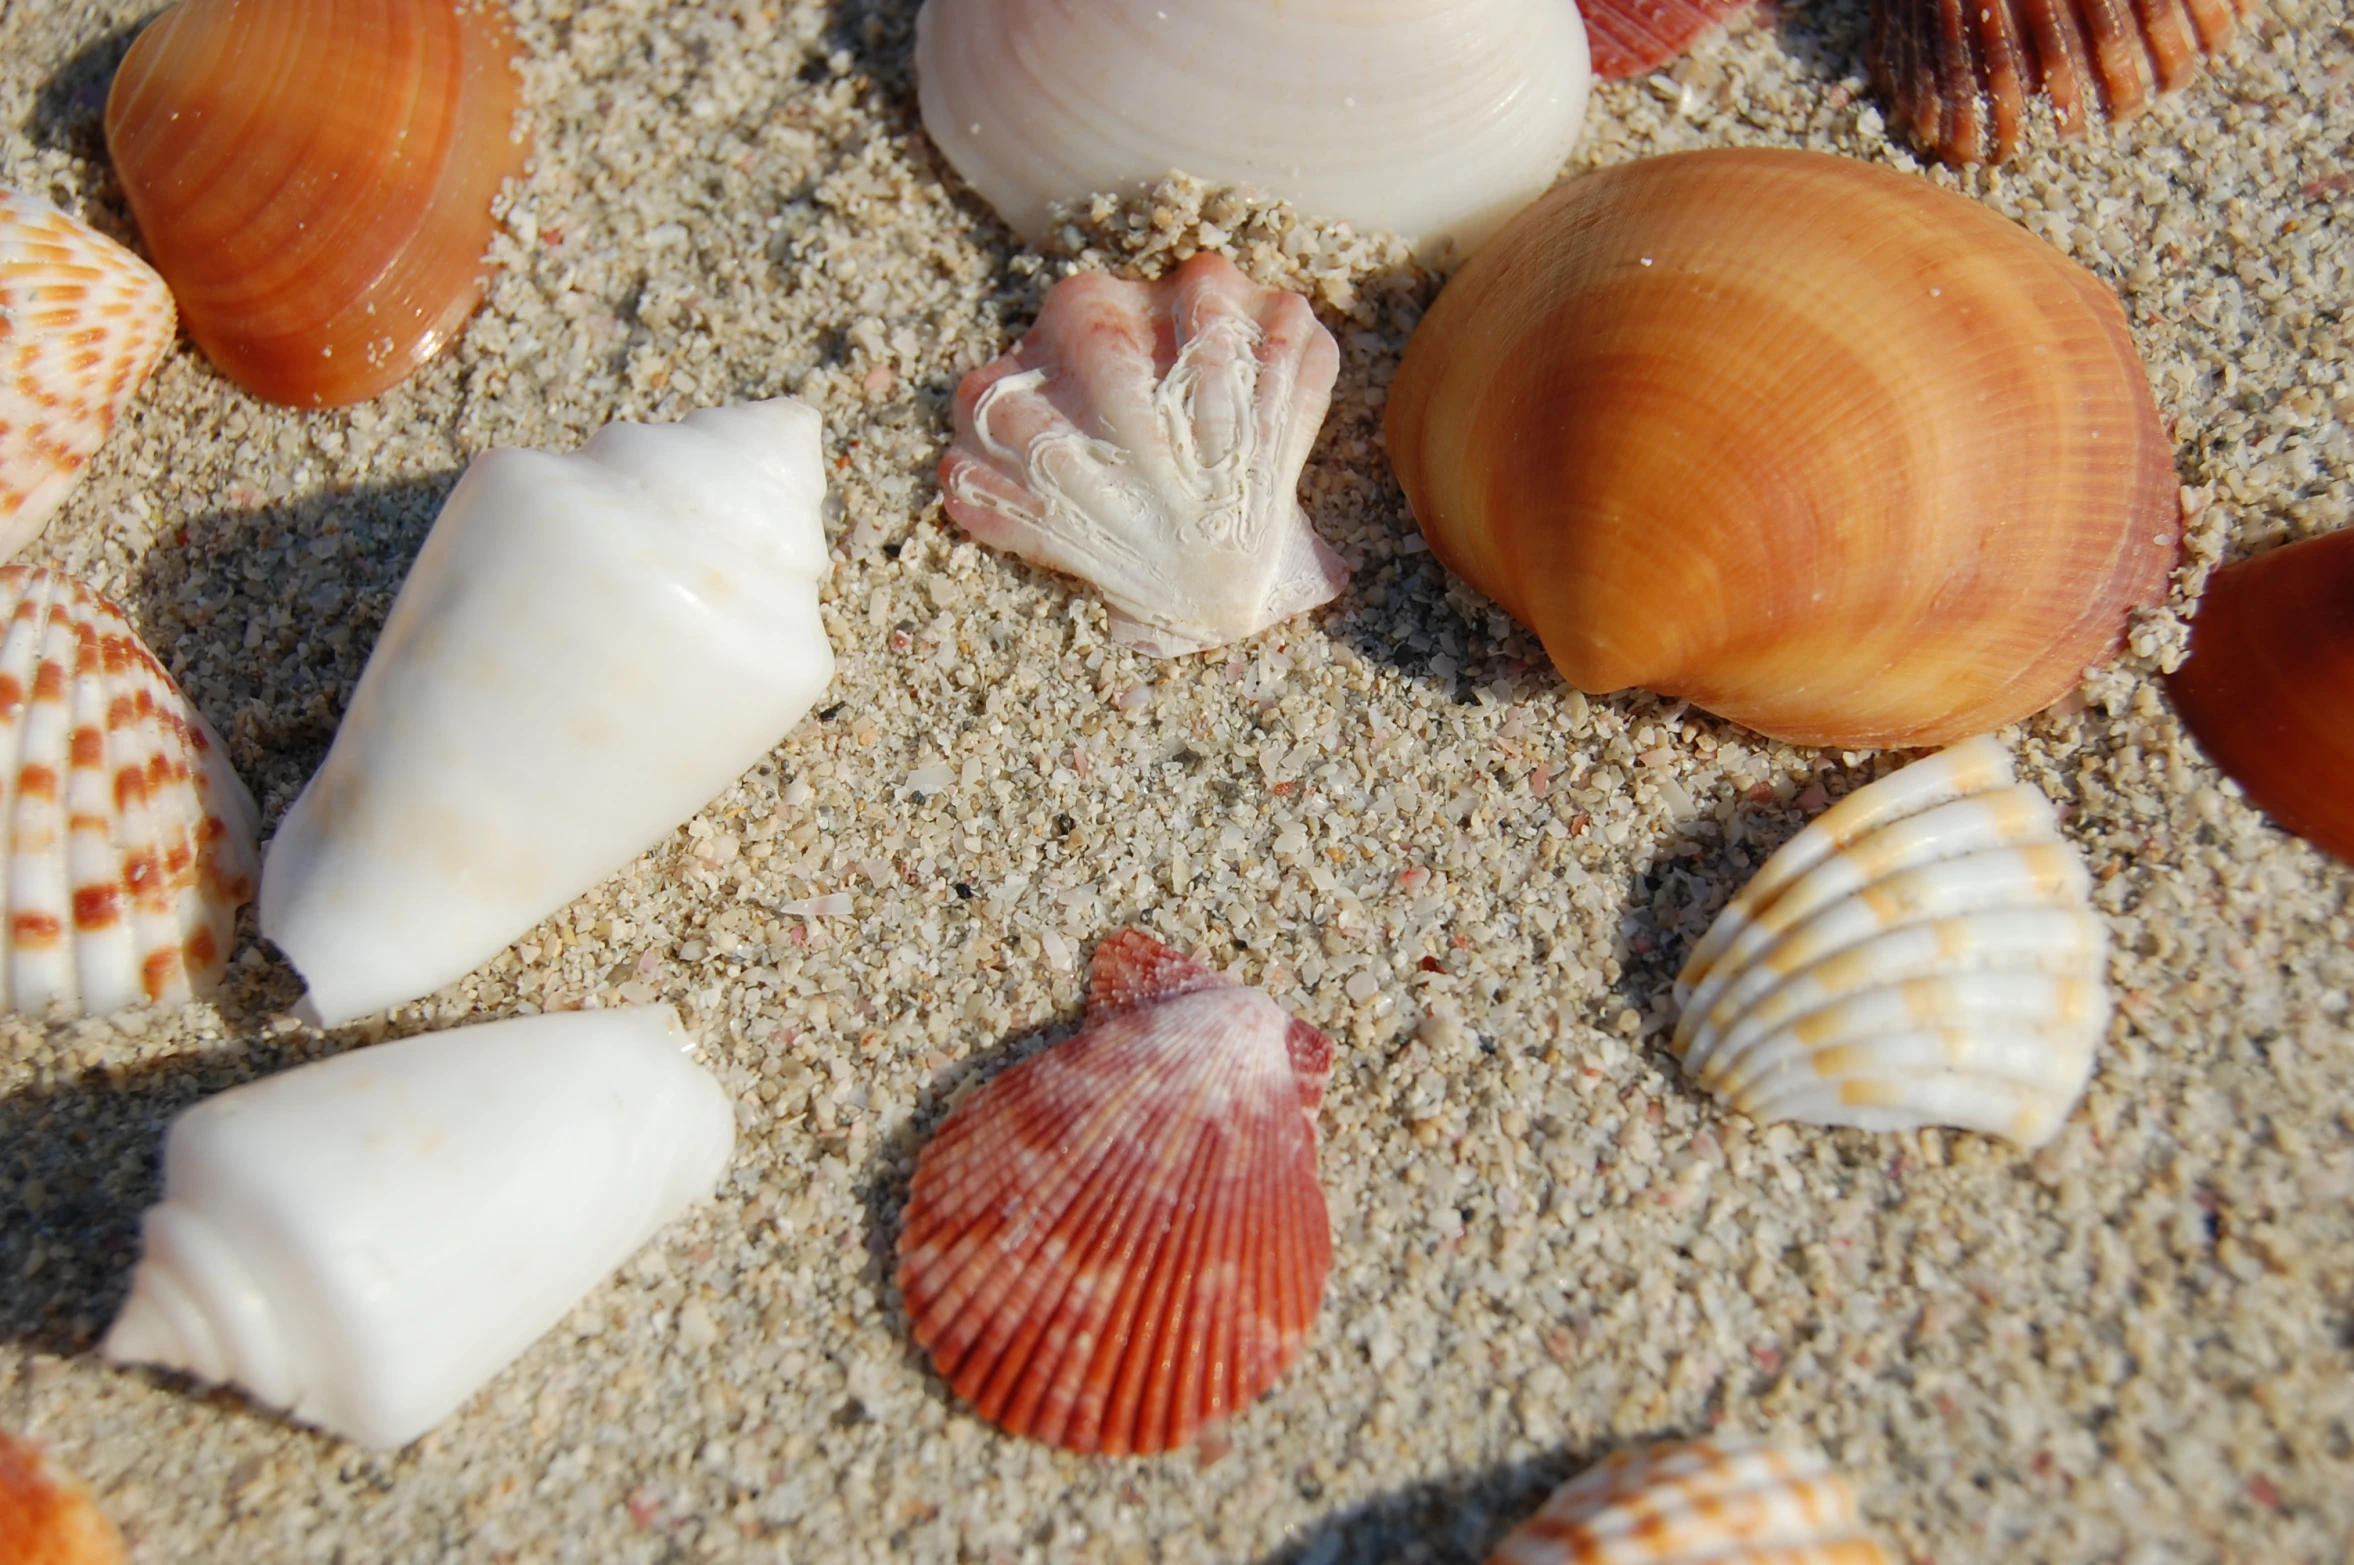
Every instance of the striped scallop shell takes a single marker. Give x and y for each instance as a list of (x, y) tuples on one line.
[(130, 841), (46, 1514), (1123, 1238), (1924, 954), (1732, 1500), (82, 322)]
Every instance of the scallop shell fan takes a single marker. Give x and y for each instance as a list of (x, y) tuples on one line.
[(1925, 953), (1733, 1500), (130, 841)]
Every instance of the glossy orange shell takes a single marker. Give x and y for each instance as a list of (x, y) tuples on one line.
[(2268, 688), (1832, 452), (314, 179)]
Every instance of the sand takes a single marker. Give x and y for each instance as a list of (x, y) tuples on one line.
[(2135, 1344)]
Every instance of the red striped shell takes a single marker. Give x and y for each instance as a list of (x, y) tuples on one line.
[(1122, 1239), (130, 840), (1732, 1500), (82, 322)]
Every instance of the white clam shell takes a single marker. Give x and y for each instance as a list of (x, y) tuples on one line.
[(1432, 119), (588, 649), (365, 1240), (1926, 953), (1730, 1500), (130, 840), (1148, 438)]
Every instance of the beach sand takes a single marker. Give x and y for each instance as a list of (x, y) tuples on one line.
[(2136, 1344)]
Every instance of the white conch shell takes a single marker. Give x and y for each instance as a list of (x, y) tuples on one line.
[(1926, 953), (588, 649), (130, 840), (1730, 1500), (363, 1241), (1148, 438), (82, 322), (1428, 118)]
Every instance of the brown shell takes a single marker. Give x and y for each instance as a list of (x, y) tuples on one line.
[(1828, 450), (2268, 688), (1958, 72), (314, 179)]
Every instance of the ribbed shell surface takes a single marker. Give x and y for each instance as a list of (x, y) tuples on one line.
[(82, 322), (1123, 1238), (314, 178), (1830, 451), (130, 842), (1727, 1501), (1428, 118), (2268, 688)]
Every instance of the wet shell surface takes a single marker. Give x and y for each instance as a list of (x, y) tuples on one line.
[(314, 178), (2268, 688), (1731, 1500), (1629, 37), (47, 1516), (1832, 452), (82, 323), (1925, 953), (1148, 438), (1958, 73), (364, 1240), (1122, 1239), (130, 840), (1432, 119), (589, 647)]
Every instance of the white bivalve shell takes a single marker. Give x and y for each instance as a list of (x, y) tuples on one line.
[(1431, 119), (363, 1241), (82, 323), (1732, 1500), (130, 840), (1924, 954), (588, 649)]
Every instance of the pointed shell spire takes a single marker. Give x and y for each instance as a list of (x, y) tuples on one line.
[(1926, 953), (1123, 1238), (82, 323), (1148, 438)]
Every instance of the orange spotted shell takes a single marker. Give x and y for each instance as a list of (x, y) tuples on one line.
[(46, 1515), (130, 840), (314, 178)]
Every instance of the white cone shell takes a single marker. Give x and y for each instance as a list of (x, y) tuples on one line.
[(1926, 953), (1432, 119), (365, 1240), (589, 648)]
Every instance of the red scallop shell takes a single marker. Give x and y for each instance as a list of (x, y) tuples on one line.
[(1629, 37), (1122, 1239), (2268, 688)]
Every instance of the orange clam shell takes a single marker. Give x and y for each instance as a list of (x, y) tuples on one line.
[(46, 1514), (2268, 688), (314, 179), (1834, 453)]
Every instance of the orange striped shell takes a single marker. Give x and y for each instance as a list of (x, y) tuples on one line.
[(1732, 1500), (1122, 1239), (46, 1515), (82, 322), (130, 842)]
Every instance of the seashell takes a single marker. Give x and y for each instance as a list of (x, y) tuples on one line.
[(1431, 119), (1630, 37), (130, 838), (2268, 688), (1148, 438), (1958, 79), (587, 650), (82, 322), (1730, 1500), (1925, 953), (364, 1240), (314, 178), (47, 1516), (1122, 1239), (1827, 450)]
